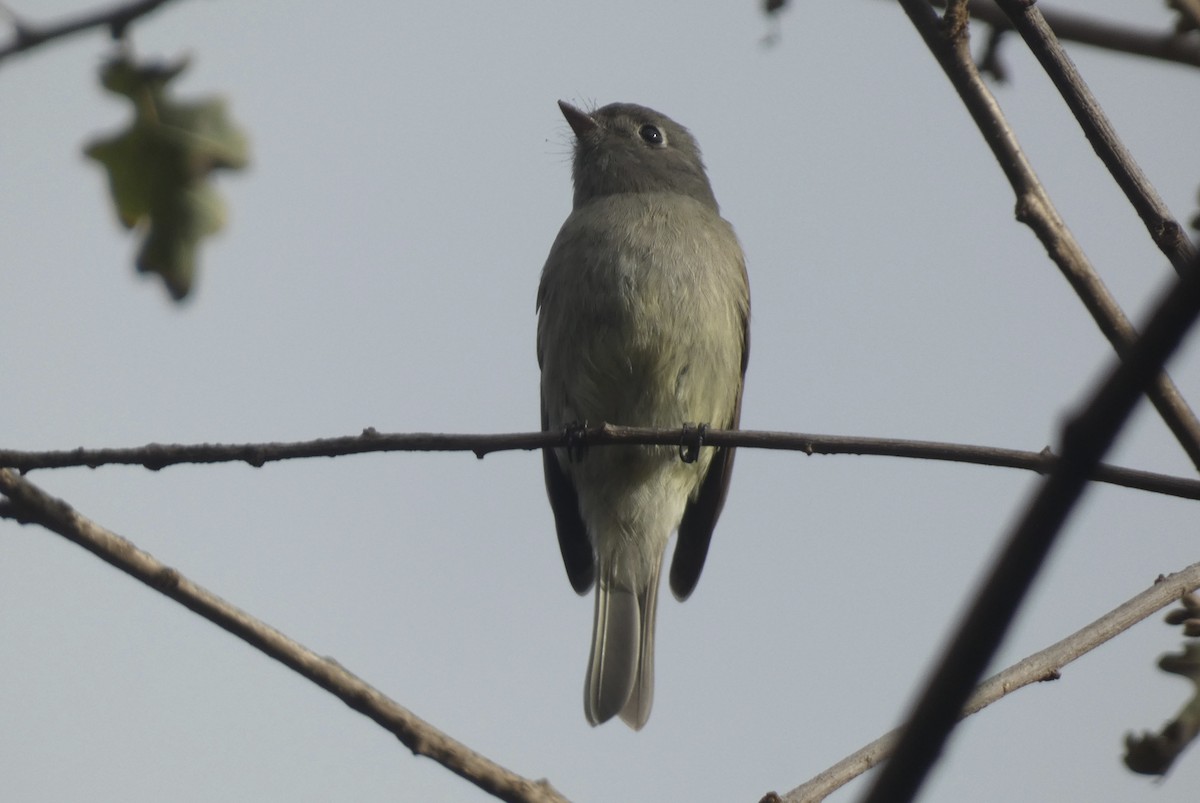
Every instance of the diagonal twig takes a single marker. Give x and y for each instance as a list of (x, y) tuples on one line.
[(1087, 29), (1042, 665), (947, 40), (1086, 437), (1166, 232), (115, 18), (34, 505)]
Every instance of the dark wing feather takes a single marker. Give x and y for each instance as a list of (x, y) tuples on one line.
[(701, 514), (573, 540)]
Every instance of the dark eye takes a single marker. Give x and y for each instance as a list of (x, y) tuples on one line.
[(651, 135)]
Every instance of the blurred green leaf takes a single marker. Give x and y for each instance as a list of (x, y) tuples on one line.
[(159, 167)]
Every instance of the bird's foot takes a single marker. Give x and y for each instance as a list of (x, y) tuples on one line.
[(691, 441), (576, 435)]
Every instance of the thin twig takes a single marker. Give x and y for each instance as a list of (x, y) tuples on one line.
[(1086, 437), (1166, 232), (157, 456), (1089, 30), (1042, 665), (948, 42), (416, 734), (116, 19)]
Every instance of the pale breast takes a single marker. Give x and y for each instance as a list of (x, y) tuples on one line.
[(644, 327)]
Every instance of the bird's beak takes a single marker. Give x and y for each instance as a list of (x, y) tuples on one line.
[(581, 122)]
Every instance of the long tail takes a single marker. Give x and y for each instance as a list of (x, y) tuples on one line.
[(620, 676)]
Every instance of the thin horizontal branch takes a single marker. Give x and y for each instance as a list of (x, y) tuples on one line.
[(1042, 665), (35, 505), (1089, 30), (157, 456), (116, 18)]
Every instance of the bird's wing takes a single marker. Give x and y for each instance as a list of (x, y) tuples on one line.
[(700, 515), (573, 541)]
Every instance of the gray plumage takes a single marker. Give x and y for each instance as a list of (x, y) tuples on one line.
[(643, 320)]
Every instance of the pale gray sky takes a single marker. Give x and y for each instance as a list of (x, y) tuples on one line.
[(410, 172)]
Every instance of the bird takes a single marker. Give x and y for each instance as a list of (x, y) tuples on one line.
[(643, 320)]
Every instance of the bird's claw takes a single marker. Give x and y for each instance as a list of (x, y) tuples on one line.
[(691, 441), (576, 435)]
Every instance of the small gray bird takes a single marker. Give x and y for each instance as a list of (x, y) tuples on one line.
[(643, 321)]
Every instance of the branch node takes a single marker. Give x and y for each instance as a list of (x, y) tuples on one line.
[(956, 21), (1027, 209), (157, 457), (167, 580), (117, 28), (1048, 460)]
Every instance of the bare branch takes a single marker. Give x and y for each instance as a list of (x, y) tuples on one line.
[(948, 43), (1088, 30), (116, 19), (1042, 665), (422, 738), (156, 456), (1166, 232), (1086, 437)]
